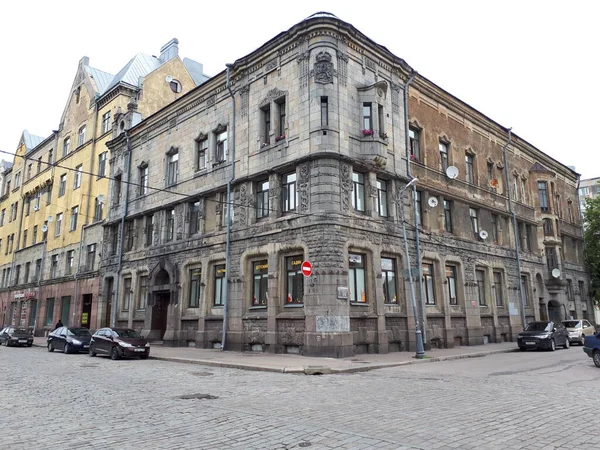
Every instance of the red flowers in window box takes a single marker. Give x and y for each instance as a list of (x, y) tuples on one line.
[(280, 138), (367, 132), (414, 158)]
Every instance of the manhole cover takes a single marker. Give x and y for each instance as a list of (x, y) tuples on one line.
[(202, 374), (197, 397), (304, 444), (89, 365)]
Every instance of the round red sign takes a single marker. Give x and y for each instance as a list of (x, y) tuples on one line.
[(306, 269)]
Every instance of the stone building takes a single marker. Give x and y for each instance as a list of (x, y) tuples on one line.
[(309, 138), (54, 208)]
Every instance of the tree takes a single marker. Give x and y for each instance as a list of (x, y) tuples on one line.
[(591, 238)]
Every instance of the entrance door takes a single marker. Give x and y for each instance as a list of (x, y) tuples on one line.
[(86, 311), (66, 309), (159, 312), (554, 311)]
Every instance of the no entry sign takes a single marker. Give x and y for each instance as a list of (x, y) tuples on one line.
[(306, 269)]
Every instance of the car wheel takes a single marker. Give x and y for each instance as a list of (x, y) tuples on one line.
[(29, 345), (596, 358), (144, 357), (115, 354), (552, 345), (67, 349), (567, 343), (522, 349), (92, 350), (50, 347)]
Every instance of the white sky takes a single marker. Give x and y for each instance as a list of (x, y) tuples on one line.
[(531, 65)]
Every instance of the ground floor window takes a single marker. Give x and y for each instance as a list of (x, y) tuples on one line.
[(219, 296), (451, 283), (260, 270), (427, 284), (195, 277), (294, 280), (388, 273), (356, 277)]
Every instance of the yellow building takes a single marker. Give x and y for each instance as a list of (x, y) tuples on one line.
[(53, 197)]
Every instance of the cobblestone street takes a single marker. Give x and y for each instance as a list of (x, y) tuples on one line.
[(533, 400)]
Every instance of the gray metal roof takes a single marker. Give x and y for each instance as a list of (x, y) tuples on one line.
[(31, 141), (139, 66), (196, 71), (102, 79)]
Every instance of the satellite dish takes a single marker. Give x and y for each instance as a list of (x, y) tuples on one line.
[(44, 228), (169, 78), (483, 234), (36, 208), (433, 202), (452, 172), (555, 273), (50, 218)]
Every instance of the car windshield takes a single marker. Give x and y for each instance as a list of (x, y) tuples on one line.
[(571, 323), (79, 332), (21, 331), (538, 326), (127, 333)]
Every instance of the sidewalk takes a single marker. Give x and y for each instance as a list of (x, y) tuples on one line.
[(285, 363)]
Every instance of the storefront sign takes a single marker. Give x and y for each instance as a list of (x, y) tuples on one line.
[(29, 295), (19, 296)]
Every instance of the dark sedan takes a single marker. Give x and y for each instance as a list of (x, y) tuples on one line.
[(16, 336), (119, 343), (69, 339), (543, 335)]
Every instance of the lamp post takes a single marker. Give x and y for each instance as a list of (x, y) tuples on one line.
[(420, 351)]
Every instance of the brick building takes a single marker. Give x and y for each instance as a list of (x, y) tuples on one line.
[(310, 139)]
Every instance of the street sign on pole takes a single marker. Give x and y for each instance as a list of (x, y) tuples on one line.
[(306, 269)]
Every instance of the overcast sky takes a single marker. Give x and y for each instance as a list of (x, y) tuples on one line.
[(531, 65)]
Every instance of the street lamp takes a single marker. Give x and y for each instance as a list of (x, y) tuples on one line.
[(418, 337)]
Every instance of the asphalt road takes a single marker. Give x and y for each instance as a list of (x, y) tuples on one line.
[(530, 401)]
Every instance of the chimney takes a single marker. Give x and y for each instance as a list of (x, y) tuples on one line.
[(169, 50)]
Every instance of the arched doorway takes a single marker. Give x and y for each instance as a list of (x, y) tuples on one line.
[(162, 298), (555, 311)]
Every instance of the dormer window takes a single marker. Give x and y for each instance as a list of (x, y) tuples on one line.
[(175, 86)]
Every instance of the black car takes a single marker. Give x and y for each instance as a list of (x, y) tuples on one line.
[(69, 339), (16, 336), (118, 343), (543, 335)]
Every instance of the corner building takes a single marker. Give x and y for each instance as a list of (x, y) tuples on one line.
[(314, 149)]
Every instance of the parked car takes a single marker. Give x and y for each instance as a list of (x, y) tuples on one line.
[(119, 343), (69, 339), (543, 335), (578, 329), (16, 336), (591, 347)]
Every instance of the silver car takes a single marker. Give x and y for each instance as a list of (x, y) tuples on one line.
[(578, 329)]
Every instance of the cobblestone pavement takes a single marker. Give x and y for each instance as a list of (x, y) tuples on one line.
[(533, 400)]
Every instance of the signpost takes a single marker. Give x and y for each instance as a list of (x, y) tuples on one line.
[(306, 269)]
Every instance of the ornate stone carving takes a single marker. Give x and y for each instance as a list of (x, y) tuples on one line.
[(179, 222), (245, 97), (346, 185), (243, 204), (211, 101), (323, 68), (303, 187), (271, 65), (272, 95)]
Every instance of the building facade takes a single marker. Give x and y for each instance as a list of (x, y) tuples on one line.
[(310, 139), (54, 196)]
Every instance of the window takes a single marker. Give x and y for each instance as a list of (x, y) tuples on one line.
[(525, 241), (451, 283), (49, 311), (289, 195), (474, 220), (524, 289), (149, 229), (7, 187), (515, 193), (490, 175), (126, 294), (551, 259), (102, 164), (39, 165), (18, 274), (543, 196), (129, 235), (13, 211), (260, 271), (324, 111), (48, 196), (29, 167), (175, 86), (547, 226), (294, 280), (172, 168), (24, 238), (81, 136), (448, 216), (66, 146), (221, 153), (581, 286), (358, 191), (105, 122), (495, 230), (388, 273), (143, 293), (98, 209), (170, 225), (117, 190), (59, 218), (27, 271), (367, 118), (382, 198), (357, 277), (18, 180), (70, 261), (62, 186), (281, 118), (224, 208), (428, 288), (78, 94), (381, 121), (498, 288), (38, 269), (143, 174), (74, 215), (90, 260), (443, 147), (202, 150), (419, 208), (570, 212), (194, 298), (50, 157), (34, 235), (469, 168), (480, 279), (53, 266), (2, 217), (414, 136), (262, 200), (219, 296), (195, 217)]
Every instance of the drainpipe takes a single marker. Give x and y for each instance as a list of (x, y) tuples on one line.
[(75, 322), (114, 312), (228, 242), (415, 213), (39, 283), (515, 228)]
